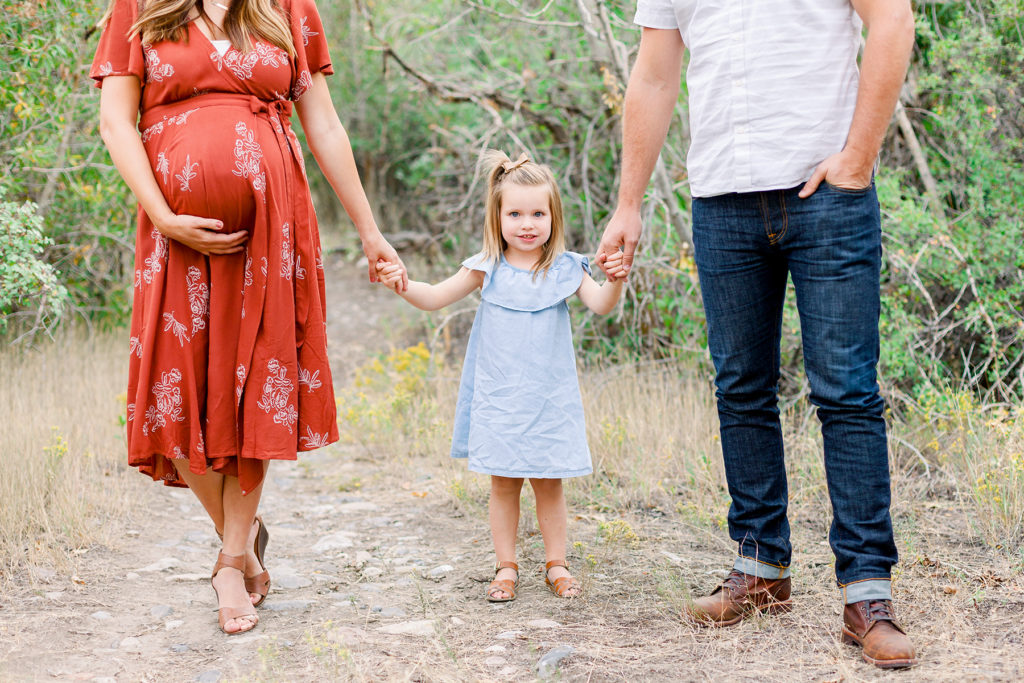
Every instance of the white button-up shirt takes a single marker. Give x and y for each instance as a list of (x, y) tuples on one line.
[(771, 86)]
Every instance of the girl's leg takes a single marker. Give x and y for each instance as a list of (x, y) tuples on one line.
[(553, 520), (503, 510)]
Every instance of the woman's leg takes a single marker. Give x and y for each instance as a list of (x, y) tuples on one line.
[(233, 515), (503, 510), (553, 520)]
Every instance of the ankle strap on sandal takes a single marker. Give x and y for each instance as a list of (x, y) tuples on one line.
[(498, 566), (230, 562), (555, 563)]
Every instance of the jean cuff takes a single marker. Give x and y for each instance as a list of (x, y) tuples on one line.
[(866, 589), (761, 570)]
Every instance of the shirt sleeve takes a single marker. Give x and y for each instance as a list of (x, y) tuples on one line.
[(312, 55), (656, 14), (117, 54)]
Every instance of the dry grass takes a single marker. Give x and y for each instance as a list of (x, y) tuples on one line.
[(653, 433), (62, 472)]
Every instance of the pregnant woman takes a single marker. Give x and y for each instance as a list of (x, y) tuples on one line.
[(228, 353)]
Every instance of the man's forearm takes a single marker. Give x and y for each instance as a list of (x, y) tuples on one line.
[(887, 51), (647, 111)]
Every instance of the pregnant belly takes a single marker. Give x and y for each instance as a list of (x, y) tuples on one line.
[(213, 167)]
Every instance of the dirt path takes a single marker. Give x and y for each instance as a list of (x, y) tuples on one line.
[(383, 581)]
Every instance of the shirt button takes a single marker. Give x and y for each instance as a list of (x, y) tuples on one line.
[(738, 82), (741, 129)]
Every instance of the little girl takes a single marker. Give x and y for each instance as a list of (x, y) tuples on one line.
[(519, 413)]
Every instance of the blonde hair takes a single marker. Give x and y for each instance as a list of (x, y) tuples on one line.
[(245, 20), (500, 171)]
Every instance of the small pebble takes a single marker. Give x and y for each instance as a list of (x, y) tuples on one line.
[(130, 644), (100, 616), (211, 676), (333, 542), (180, 647), (438, 572), (423, 627), (494, 662), (543, 623), (547, 666), (162, 611), (508, 635), (161, 565), (287, 606), (291, 581)]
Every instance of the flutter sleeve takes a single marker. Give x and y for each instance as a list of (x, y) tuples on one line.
[(117, 54), (312, 55)]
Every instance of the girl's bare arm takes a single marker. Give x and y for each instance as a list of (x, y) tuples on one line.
[(430, 297)]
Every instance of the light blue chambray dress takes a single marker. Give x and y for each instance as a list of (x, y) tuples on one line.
[(519, 412)]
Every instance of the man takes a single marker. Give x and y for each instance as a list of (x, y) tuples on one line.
[(785, 135)]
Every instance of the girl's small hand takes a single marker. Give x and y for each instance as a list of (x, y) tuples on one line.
[(377, 249), (390, 274), (614, 268)]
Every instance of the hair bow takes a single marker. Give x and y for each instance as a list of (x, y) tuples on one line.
[(509, 166)]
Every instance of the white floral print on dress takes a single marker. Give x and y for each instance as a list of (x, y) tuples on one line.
[(307, 32), (239, 383), (198, 298), (248, 157), (168, 402), (286, 252), (313, 440), (276, 391), (312, 381), (242, 63), (155, 71), (303, 83), (158, 127), (188, 173), (163, 167), (177, 328), (155, 261)]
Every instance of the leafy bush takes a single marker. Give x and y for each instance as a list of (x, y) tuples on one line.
[(51, 153), (28, 284)]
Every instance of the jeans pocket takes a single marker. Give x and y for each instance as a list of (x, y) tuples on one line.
[(847, 190)]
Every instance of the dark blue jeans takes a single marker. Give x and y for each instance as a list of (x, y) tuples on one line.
[(830, 243)]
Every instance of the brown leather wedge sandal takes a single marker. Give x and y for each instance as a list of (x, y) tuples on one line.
[(257, 583), (225, 614), (563, 586), (504, 585)]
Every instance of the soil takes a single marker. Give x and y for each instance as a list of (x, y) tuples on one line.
[(385, 581)]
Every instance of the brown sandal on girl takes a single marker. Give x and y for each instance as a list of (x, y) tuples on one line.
[(504, 585), (225, 614), (563, 586)]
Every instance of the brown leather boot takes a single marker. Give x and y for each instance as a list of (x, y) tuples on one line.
[(740, 596), (872, 625)]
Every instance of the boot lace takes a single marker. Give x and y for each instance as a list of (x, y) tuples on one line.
[(880, 610)]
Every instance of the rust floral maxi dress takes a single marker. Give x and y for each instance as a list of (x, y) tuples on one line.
[(228, 354)]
